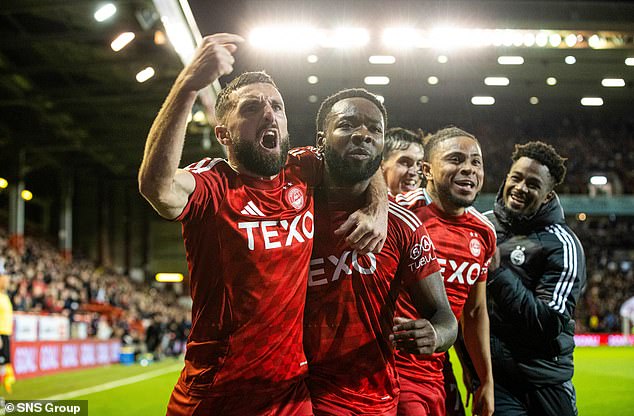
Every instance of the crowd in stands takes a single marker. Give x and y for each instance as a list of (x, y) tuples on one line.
[(609, 246), (110, 304)]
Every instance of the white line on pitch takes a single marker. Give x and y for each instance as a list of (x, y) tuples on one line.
[(114, 384)]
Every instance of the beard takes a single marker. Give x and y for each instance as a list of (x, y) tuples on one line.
[(263, 164), (347, 173), (444, 193)]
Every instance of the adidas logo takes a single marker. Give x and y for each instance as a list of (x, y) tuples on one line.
[(251, 209)]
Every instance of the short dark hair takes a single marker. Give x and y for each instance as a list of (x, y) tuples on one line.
[(398, 138), (327, 104), (432, 141), (544, 154), (224, 102)]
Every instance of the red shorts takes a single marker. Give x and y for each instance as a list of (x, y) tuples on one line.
[(325, 408), (294, 401), (422, 399)]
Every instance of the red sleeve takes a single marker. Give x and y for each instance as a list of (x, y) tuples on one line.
[(419, 255), (211, 185), (309, 163), (492, 241)]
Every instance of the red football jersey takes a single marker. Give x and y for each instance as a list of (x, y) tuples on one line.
[(248, 243), (350, 308), (464, 245)]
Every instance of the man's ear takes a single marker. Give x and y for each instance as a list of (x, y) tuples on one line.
[(427, 171), (321, 140), (222, 135), (550, 195)]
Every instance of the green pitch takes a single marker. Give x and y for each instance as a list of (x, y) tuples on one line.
[(604, 379)]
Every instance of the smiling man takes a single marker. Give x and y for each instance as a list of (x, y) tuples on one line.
[(351, 296), (402, 160), (465, 242), (533, 294)]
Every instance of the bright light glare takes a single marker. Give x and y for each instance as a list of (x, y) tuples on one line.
[(376, 80), (199, 117), (424, 99), (432, 80), (313, 79), (442, 59), (594, 41), (529, 39), (181, 39), (380, 98), (284, 38), (105, 12), (346, 37), (382, 59), (482, 100), (598, 180), (571, 40), (26, 195), (551, 81), (570, 60), (629, 61), (541, 39), (145, 74), (401, 37), (496, 81), (121, 41), (533, 100), (554, 40), (3, 183), (312, 59), (169, 277), (510, 60), (613, 82), (592, 101)]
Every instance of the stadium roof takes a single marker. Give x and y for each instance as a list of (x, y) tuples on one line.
[(67, 99)]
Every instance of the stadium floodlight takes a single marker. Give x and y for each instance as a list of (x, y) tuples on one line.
[(596, 42), (26, 195), (529, 39), (169, 277), (592, 101), (496, 81), (401, 37), (312, 98), (570, 60), (3, 183), (599, 180), (313, 79), (571, 40), (629, 61), (380, 98), (443, 59), (344, 37), (382, 59), (613, 82), (121, 41), (554, 39), (482, 100), (533, 100), (312, 59), (145, 74), (287, 38), (105, 12), (510, 60), (432, 80), (541, 39), (376, 80), (424, 99), (551, 81)]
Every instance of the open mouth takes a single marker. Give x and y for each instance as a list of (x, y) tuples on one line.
[(409, 185), (516, 199), (466, 184), (269, 138)]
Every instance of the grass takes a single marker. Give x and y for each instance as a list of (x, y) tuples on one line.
[(604, 379)]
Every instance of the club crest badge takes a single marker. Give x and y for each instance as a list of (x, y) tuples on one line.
[(517, 256), (295, 197), (475, 247)]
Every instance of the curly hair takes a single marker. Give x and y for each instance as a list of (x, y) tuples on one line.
[(544, 154), (398, 138), (224, 102), (432, 141), (328, 103)]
